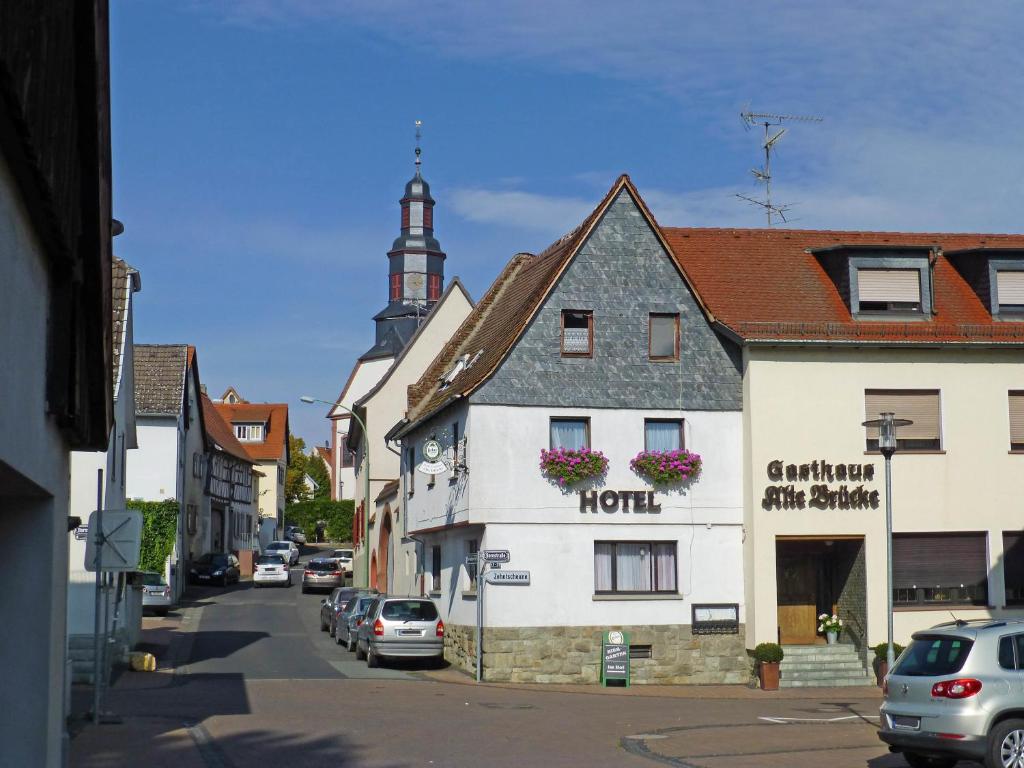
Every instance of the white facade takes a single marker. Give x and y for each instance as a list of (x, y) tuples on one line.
[(503, 501), (364, 377)]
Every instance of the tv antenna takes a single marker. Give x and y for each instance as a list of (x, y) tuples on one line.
[(771, 137)]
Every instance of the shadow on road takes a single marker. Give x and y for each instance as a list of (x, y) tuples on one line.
[(220, 644)]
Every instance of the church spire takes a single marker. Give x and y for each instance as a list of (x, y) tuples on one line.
[(419, 162)]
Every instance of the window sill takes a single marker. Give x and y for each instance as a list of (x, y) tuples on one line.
[(577, 355), (945, 607), (1016, 452), (469, 594), (645, 596), (434, 593), (663, 359), (939, 452)]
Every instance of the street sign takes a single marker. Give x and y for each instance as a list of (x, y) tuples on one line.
[(615, 657), (507, 577), (122, 539), (496, 556)]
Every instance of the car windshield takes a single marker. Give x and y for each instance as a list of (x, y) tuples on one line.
[(363, 604), (277, 545), (152, 580), (321, 565), (934, 656), (409, 610), (343, 553), (269, 560), (210, 559)]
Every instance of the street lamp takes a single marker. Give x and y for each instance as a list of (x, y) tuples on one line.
[(366, 485), (886, 426)]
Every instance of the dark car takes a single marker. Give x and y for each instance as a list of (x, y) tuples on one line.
[(350, 618), (330, 606), (215, 568)]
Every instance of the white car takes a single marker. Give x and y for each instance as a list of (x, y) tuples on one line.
[(295, 534), (285, 549), (271, 569), (344, 558)]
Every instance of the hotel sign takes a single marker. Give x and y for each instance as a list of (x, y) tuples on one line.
[(616, 501), (833, 486)]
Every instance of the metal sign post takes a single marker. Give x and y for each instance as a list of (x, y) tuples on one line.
[(480, 584), (98, 645)]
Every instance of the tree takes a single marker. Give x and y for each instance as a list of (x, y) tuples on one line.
[(316, 468), (295, 479)]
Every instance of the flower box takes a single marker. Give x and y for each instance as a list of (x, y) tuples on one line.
[(667, 467), (566, 466)]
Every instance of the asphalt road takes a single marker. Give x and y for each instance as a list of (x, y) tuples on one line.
[(258, 683)]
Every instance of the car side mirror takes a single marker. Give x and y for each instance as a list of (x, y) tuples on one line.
[(323, 601)]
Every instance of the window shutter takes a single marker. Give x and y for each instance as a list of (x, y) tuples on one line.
[(1013, 560), (1016, 417), (1010, 287), (919, 405), (938, 559), (889, 285)]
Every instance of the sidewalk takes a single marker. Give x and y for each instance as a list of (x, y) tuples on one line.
[(157, 742), (717, 692)]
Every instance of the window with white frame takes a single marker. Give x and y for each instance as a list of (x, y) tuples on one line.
[(1010, 291), (889, 290), (249, 433), (634, 567)]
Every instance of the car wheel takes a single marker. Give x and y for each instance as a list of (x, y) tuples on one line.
[(359, 653), (350, 644), (332, 629), (915, 760), (372, 659), (1006, 745), (224, 581), (323, 624), (161, 611)]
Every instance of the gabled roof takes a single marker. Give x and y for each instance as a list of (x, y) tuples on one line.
[(275, 415), (124, 282), (390, 489), (327, 455), (767, 284), (504, 312), (160, 378), (219, 434)]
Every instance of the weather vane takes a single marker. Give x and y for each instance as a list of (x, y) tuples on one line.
[(419, 125)]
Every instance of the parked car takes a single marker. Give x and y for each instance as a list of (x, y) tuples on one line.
[(156, 594), (271, 569), (344, 558), (330, 606), (287, 549), (220, 567), (295, 534), (955, 694), (321, 574), (350, 618), (400, 626)]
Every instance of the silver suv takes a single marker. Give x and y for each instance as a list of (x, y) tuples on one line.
[(957, 693), (400, 626)]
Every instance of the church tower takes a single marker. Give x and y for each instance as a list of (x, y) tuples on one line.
[(415, 269)]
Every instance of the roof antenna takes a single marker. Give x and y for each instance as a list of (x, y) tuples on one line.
[(764, 175), (419, 125)]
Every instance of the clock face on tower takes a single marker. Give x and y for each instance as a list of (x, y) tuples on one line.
[(414, 283)]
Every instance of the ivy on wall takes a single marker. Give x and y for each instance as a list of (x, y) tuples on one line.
[(337, 515), (159, 528)]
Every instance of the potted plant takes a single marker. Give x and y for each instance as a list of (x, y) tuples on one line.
[(666, 467), (881, 660), (566, 466), (831, 626), (768, 656)]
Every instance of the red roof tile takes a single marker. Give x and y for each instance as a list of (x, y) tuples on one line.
[(764, 284), (220, 432), (274, 415)]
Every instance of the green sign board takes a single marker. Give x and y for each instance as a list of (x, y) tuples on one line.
[(615, 658)]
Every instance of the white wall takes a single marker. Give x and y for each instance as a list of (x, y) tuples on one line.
[(520, 510), (366, 376), (152, 468), (34, 476)]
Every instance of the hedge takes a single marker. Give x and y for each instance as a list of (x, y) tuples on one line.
[(337, 514), (159, 529)]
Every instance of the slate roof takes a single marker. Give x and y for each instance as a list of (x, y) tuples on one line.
[(160, 378), (275, 415), (764, 284), (219, 433), (503, 313)]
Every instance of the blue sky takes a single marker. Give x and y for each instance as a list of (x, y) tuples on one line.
[(261, 146)]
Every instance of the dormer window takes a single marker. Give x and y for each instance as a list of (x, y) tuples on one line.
[(1010, 291), (889, 290), (249, 433)]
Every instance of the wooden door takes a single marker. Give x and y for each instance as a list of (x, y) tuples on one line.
[(797, 579)]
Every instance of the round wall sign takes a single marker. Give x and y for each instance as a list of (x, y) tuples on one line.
[(615, 637), (431, 450)]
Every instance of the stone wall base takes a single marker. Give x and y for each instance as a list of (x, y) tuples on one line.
[(573, 654)]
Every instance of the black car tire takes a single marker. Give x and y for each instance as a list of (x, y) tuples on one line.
[(224, 581), (331, 629), (372, 659), (915, 760), (323, 626), (995, 741), (351, 643), (359, 653)]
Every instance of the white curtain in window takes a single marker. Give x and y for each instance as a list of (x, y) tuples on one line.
[(663, 435), (633, 567), (569, 434), (602, 566), (665, 566)]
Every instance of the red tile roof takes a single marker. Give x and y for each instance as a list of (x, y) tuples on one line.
[(327, 455), (274, 415), (763, 284), (219, 432)]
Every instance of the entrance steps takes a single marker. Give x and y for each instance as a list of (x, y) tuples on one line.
[(822, 666)]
